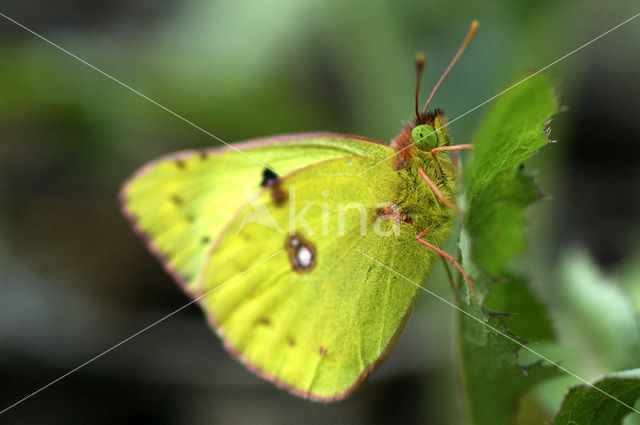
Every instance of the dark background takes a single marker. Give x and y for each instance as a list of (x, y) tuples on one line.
[(74, 280)]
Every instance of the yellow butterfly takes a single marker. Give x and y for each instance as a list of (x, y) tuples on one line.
[(275, 238)]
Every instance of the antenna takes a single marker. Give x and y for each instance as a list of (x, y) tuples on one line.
[(421, 61), (472, 31)]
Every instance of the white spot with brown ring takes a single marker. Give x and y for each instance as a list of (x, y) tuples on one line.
[(302, 253)]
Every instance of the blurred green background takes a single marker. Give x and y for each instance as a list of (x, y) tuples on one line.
[(74, 280)]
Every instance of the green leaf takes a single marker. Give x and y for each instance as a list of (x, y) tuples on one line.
[(586, 405), (494, 379), (497, 190), (497, 193)]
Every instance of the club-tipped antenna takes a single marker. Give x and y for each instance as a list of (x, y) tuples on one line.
[(472, 31), (421, 61)]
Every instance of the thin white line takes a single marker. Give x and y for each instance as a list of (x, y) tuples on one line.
[(134, 335), (132, 89), (507, 89), (499, 332)]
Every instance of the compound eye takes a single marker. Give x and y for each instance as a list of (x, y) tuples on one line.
[(425, 137)]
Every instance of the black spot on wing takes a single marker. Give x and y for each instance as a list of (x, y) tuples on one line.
[(268, 177), (265, 321)]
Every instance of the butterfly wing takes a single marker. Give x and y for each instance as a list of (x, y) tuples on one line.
[(180, 203), (302, 303)]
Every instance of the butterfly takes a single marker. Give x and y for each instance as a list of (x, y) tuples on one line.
[(302, 250)]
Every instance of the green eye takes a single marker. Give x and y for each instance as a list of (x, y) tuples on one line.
[(425, 137)]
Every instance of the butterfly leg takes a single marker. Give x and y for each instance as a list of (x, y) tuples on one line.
[(437, 191), (449, 148), (454, 148), (449, 275), (449, 257)]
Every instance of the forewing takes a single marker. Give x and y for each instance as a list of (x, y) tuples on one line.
[(180, 203), (321, 330)]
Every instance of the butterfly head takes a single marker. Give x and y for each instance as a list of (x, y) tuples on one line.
[(428, 130), (424, 136)]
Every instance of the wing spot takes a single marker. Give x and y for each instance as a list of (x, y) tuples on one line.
[(302, 253), (206, 239), (291, 341), (277, 194), (322, 351), (265, 321), (180, 164), (176, 199), (268, 177), (190, 218), (272, 180), (203, 155)]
